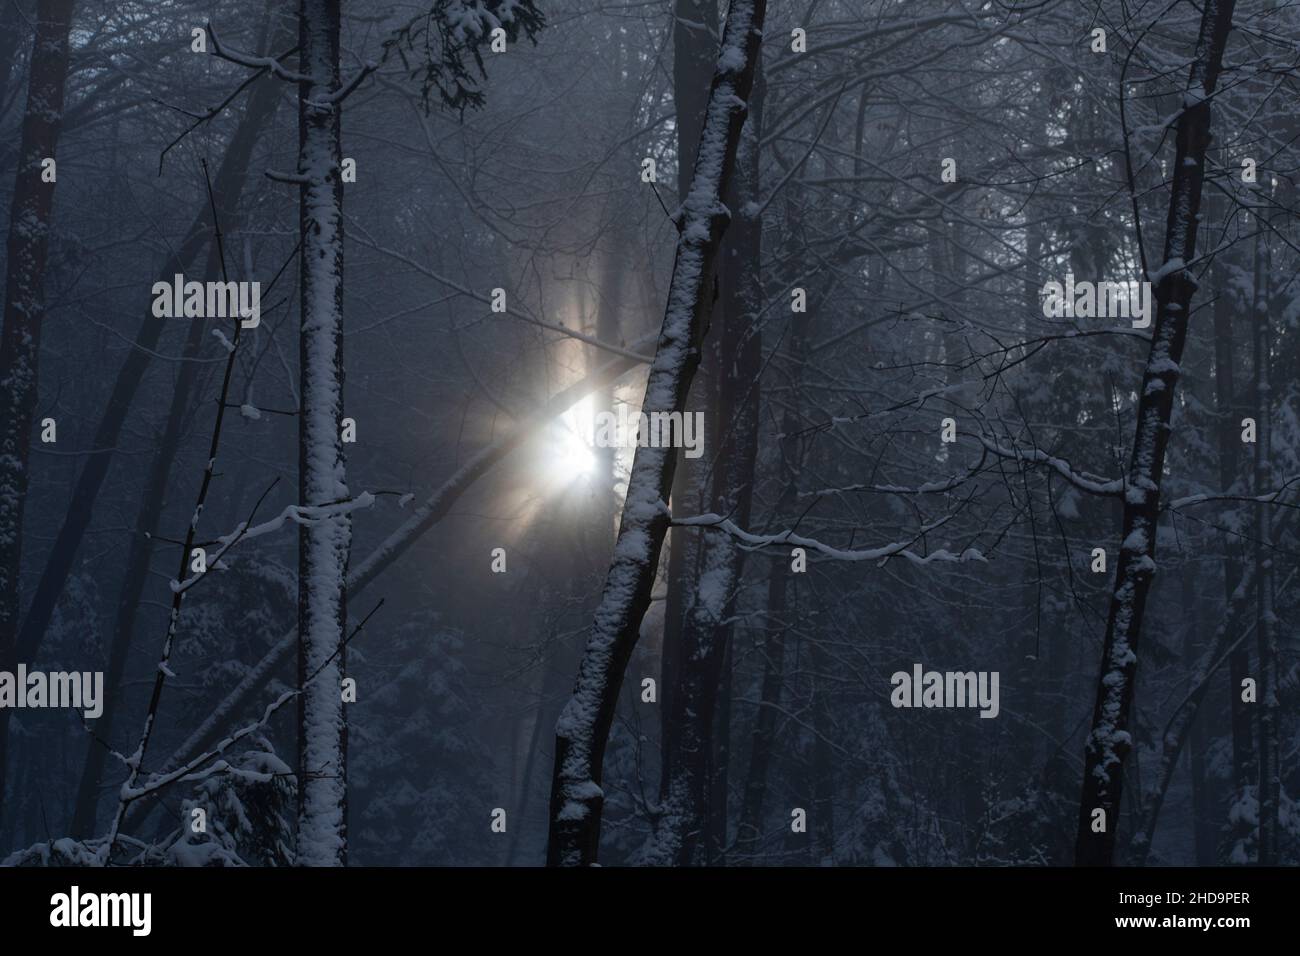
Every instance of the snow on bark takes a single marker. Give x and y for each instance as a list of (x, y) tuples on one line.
[(323, 545), (1109, 740), (24, 307), (583, 727)]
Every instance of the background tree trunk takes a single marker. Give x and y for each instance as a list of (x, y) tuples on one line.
[(24, 312)]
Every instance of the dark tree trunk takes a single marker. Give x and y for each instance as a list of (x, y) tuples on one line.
[(1109, 741), (695, 35), (24, 312), (1269, 791), (692, 750)]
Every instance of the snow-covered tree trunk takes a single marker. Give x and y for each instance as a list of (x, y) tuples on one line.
[(322, 545), (1109, 740), (24, 307), (583, 728)]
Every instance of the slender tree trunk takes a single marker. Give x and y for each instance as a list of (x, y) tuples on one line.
[(1228, 409), (322, 545), (763, 742), (1202, 786), (749, 828), (583, 728), (718, 819), (823, 777), (1109, 741), (261, 107), (24, 311), (1269, 790)]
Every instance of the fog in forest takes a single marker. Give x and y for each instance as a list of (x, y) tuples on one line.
[(686, 432)]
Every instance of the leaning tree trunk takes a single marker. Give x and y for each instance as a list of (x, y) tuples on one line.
[(1109, 741), (322, 545), (24, 309), (583, 728)]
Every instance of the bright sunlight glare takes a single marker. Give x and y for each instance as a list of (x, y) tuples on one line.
[(569, 456)]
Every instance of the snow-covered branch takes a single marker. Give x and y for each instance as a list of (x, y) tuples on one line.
[(895, 549)]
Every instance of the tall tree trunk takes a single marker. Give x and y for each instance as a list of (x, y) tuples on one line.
[(1266, 626), (691, 750), (763, 742), (1228, 408), (323, 545), (24, 311), (749, 827), (823, 782), (695, 32), (583, 728), (1109, 741)]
